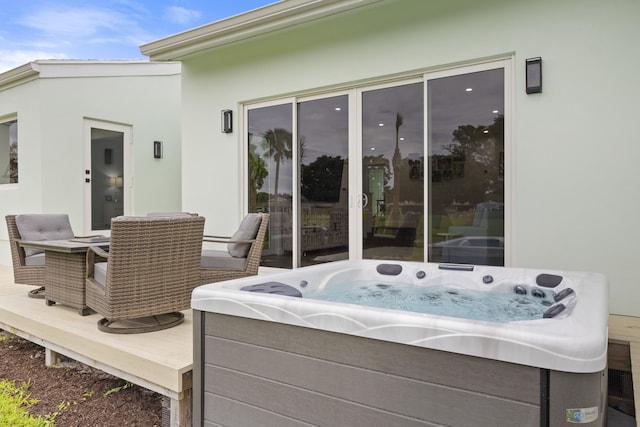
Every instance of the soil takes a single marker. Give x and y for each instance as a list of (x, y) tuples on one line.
[(82, 396)]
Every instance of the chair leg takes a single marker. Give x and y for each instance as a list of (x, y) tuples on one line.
[(141, 325), (37, 293)]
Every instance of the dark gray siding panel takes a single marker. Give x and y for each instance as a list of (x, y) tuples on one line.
[(287, 375)]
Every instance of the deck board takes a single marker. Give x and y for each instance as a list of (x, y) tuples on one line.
[(626, 329), (161, 361)]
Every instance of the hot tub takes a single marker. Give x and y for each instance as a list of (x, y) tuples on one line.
[(266, 352)]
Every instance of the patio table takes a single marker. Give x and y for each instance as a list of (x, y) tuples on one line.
[(65, 270)]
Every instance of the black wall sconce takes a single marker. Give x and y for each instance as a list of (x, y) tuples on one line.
[(157, 149), (227, 121), (534, 75)]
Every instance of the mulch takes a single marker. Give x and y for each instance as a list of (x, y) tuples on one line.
[(82, 396)]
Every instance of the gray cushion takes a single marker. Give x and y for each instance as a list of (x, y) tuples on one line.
[(33, 260), (100, 272), (221, 259), (248, 230), (170, 214), (43, 227)]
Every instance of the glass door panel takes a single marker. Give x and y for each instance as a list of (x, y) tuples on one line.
[(107, 177), (392, 168), (323, 147), (270, 167), (466, 168)]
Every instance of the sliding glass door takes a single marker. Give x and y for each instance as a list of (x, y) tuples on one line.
[(428, 183), (323, 147), (392, 172), (466, 168), (270, 152)]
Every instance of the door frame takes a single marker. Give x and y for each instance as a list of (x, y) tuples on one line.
[(355, 151), (127, 142), (507, 65)]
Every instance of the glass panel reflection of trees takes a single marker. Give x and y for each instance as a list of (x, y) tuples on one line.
[(270, 178), (323, 126), (393, 177), (322, 150), (466, 168)]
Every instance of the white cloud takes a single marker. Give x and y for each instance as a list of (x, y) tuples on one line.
[(181, 15), (78, 23)]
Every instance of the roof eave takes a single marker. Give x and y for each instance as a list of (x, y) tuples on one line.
[(247, 25), (19, 75)]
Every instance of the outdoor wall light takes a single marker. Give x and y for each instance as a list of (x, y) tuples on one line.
[(227, 121), (534, 75), (157, 149)]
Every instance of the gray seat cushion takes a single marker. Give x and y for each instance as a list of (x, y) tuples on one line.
[(34, 260), (43, 227), (248, 230), (100, 273), (221, 259)]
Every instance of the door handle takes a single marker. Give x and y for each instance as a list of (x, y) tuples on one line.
[(365, 200)]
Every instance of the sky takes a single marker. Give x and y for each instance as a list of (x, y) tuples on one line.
[(100, 29)]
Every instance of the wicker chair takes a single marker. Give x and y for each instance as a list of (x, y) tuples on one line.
[(28, 267), (152, 267), (243, 254)]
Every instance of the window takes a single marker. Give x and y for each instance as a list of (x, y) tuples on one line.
[(9, 152)]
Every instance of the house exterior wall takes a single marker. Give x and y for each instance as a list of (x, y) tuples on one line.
[(575, 151), (51, 143)]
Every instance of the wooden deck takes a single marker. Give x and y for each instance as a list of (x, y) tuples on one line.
[(624, 350), (161, 361)]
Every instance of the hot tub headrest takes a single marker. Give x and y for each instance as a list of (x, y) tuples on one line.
[(389, 269), (548, 280), (273, 288)]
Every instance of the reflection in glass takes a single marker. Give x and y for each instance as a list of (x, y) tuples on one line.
[(323, 126), (107, 177), (9, 152), (466, 168), (270, 178), (393, 178)]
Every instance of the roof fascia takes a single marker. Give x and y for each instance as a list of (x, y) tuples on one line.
[(54, 68), (254, 23), (80, 68), (19, 75)]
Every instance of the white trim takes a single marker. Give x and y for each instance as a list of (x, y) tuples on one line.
[(251, 24), (510, 161), (59, 68), (70, 69)]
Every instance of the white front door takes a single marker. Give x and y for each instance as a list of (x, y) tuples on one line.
[(107, 174)]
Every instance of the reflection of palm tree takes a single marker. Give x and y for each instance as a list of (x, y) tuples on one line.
[(397, 165), (257, 173), (277, 145)]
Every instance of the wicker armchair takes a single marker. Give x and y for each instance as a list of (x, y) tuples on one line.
[(243, 254), (152, 267), (29, 265)]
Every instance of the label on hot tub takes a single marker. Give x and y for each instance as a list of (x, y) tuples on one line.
[(582, 415)]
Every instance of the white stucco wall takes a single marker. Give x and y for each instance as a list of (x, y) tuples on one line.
[(51, 144), (576, 149)]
